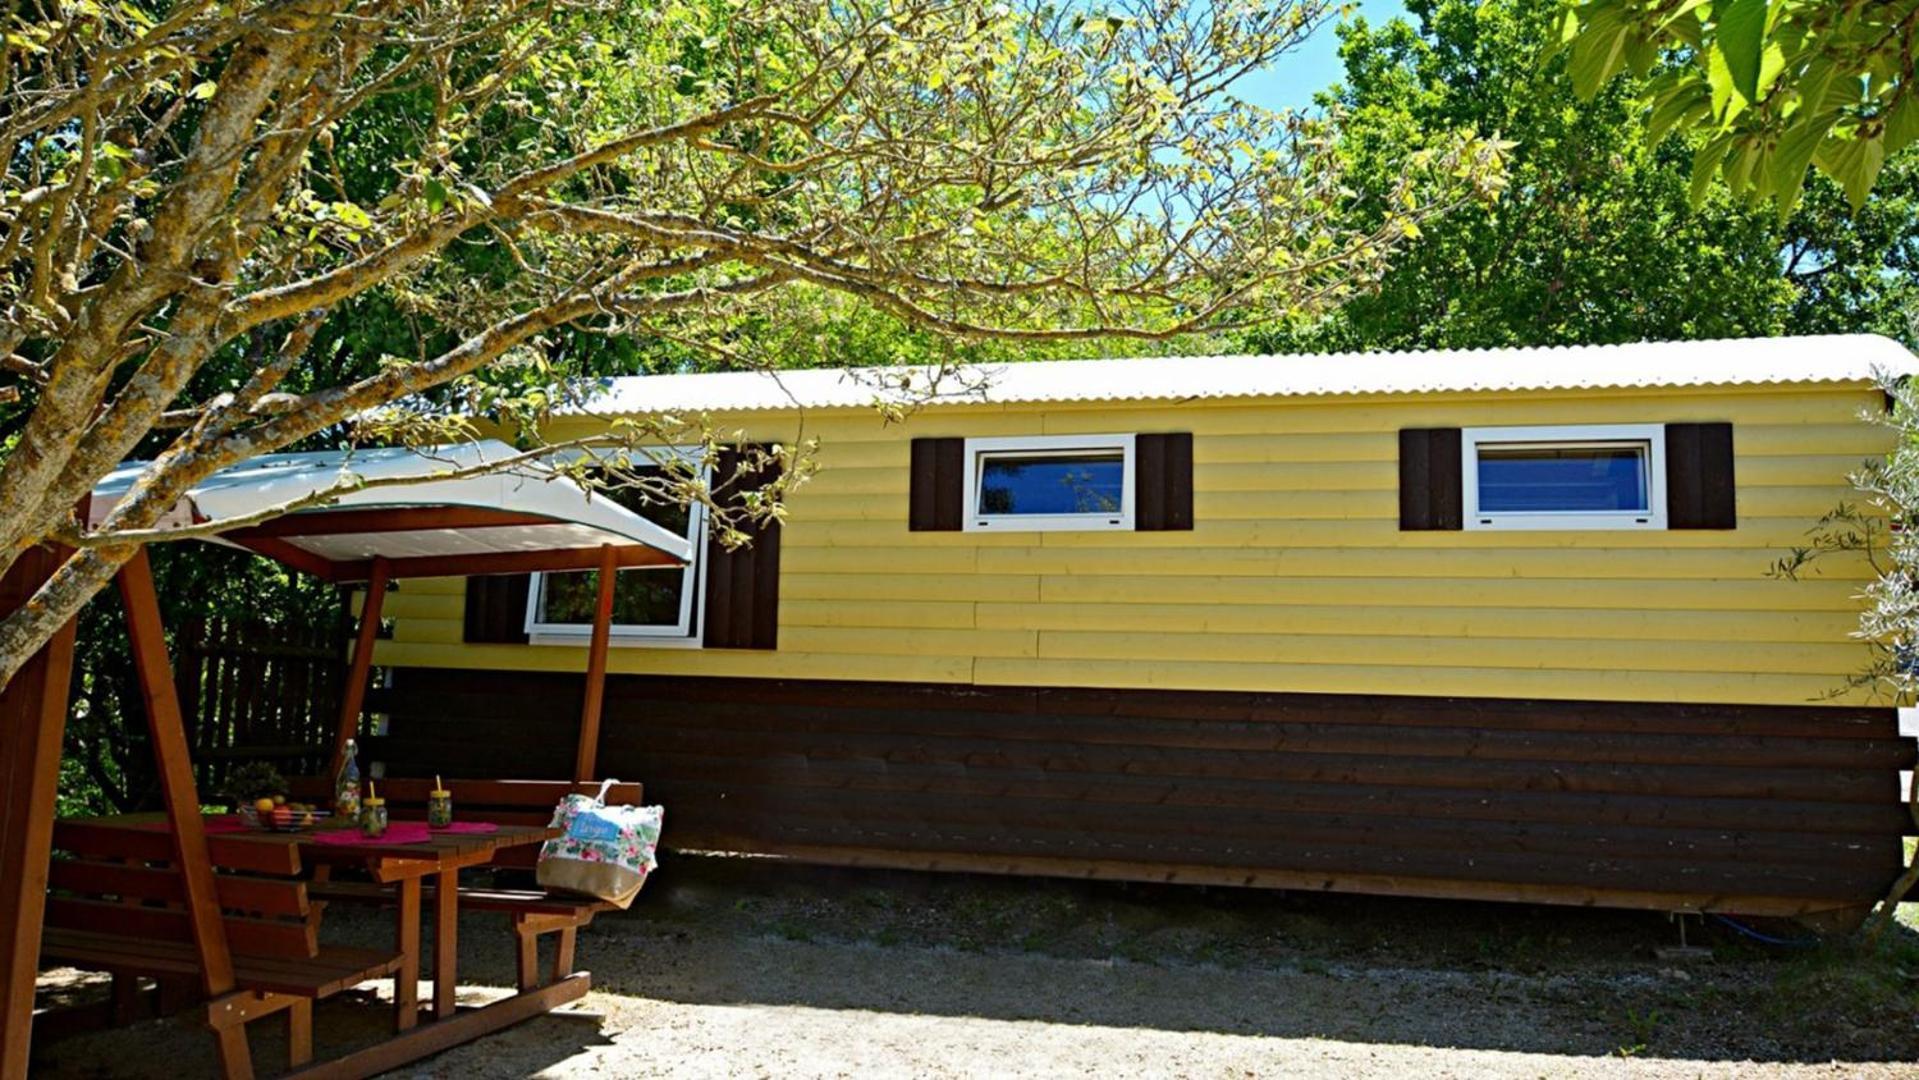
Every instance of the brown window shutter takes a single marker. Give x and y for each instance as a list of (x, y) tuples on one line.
[(1163, 482), (939, 467), (1429, 480), (496, 608), (1700, 493), (742, 605)]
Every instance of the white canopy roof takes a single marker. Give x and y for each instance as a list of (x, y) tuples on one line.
[(570, 517), (1834, 358)]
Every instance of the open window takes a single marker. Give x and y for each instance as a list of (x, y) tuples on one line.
[(1049, 482), (651, 605), (1609, 476)]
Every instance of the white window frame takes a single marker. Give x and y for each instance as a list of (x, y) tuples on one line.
[(1566, 436), (978, 450), (685, 634)]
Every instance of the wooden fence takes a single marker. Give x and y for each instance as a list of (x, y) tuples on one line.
[(258, 691)]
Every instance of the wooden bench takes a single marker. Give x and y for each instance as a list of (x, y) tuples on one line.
[(532, 912), (117, 905)]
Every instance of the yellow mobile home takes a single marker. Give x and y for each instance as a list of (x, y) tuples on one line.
[(1493, 623)]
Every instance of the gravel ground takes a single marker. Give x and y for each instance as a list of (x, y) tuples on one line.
[(732, 967)]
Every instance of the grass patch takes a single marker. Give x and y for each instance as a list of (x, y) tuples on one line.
[(790, 929)]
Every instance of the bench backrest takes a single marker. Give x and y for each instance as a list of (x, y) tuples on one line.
[(122, 882)]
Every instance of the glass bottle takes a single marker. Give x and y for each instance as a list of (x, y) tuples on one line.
[(346, 787)]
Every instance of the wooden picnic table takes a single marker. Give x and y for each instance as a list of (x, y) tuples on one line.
[(32, 715), (407, 866)]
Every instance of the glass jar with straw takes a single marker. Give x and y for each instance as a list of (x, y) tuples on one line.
[(372, 814), (439, 805)]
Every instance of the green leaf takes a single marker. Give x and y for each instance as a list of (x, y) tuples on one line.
[(1726, 100), (1568, 26), (350, 214), (1854, 163), (1687, 7), (1689, 31), (1742, 163), (1902, 122), (1685, 101), (1794, 156), (1705, 163), (1814, 84), (1741, 39), (1771, 63), (436, 195), (1642, 56), (1596, 57), (204, 90)]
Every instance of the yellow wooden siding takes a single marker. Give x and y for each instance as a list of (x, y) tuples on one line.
[(1295, 576)]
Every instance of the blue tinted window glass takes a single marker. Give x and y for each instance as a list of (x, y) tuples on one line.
[(1051, 484), (1531, 479)]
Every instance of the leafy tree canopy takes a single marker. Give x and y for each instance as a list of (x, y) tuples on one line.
[(1773, 86), (1595, 239), (226, 228)]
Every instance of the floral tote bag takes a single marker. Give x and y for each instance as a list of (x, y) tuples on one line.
[(605, 852)]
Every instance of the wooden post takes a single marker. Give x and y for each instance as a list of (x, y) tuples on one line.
[(177, 790), (446, 944), (33, 717), (585, 758), (406, 941), (353, 697)]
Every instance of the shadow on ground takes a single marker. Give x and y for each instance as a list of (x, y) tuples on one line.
[(1255, 962), (869, 967)]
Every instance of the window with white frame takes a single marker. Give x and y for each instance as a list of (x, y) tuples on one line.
[(652, 605), (1045, 482), (1602, 476)]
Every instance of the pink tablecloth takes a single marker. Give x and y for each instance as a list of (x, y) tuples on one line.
[(401, 832)]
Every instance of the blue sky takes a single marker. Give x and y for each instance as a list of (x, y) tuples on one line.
[(1314, 66)]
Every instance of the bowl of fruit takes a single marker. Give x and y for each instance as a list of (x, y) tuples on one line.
[(276, 814), (257, 792)]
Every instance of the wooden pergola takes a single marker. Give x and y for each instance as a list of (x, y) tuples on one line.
[(535, 520)]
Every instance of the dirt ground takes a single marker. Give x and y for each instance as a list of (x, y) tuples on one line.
[(750, 967)]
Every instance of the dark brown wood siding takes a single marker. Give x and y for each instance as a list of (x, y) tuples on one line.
[(1430, 493), (938, 477), (1163, 482), (1770, 809)]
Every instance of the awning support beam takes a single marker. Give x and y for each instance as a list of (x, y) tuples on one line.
[(33, 718), (585, 759), (353, 695), (167, 729)]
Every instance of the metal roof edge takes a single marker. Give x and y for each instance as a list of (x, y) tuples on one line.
[(1781, 361)]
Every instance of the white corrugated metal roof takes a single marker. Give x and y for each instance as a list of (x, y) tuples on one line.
[(1838, 358), (580, 520)]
